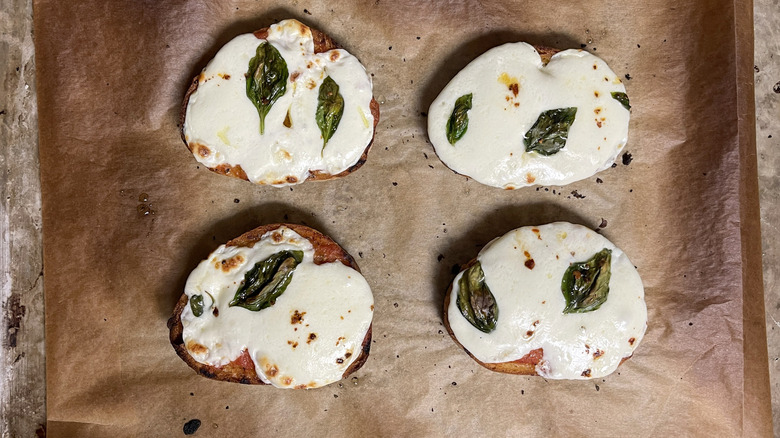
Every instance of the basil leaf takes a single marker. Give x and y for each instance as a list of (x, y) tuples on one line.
[(330, 107), (196, 304), (475, 301), (622, 98), (266, 80), (266, 281), (585, 285), (458, 123), (549, 134)]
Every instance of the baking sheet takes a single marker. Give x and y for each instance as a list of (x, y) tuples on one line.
[(684, 208)]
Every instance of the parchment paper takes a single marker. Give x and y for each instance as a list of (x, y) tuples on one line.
[(682, 203)]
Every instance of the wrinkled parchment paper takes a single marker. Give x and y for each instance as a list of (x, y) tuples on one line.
[(128, 213)]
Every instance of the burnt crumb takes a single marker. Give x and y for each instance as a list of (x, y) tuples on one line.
[(628, 77), (215, 312), (638, 46), (690, 323), (339, 361), (306, 11), (586, 373), (627, 158), (360, 254), (192, 394), (577, 195), (455, 269), (191, 426), (2, 112), (603, 223), (597, 388), (395, 183), (440, 257), (227, 407), (425, 155), (582, 46), (530, 263), (454, 383), (390, 48), (424, 114), (614, 165), (236, 200), (395, 305), (630, 190), (441, 332), (522, 392), (776, 87), (755, 67), (286, 217), (312, 336), (599, 181)]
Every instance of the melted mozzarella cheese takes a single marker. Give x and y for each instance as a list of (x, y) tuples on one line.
[(222, 126), (530, 304), (308, 338), (510, 88)]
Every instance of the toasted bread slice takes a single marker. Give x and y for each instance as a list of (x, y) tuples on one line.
[(322, 44), (520, 273), (242, 369)]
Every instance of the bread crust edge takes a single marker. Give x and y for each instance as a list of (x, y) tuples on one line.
[(325, 251)]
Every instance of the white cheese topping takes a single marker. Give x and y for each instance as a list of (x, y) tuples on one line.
[(530, 304), (222, 125), (510, 88), (308, 338)]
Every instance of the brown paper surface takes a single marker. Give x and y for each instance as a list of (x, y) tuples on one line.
[(111, 79)]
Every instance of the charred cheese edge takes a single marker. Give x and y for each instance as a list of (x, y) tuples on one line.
[(309, 338), (523, 270), (221, 124), (511, 86)]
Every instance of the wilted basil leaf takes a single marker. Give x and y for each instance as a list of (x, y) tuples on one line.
[(549, 134), (475, 301), (266, 80), (196, 304), (585, 285), (266, 281), (330, 107), (459, 119), (622, 98)]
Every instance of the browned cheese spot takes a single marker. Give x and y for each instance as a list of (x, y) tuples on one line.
[(271, 370), (301, 386), (631, 341), (341, 338), (310, 84), (597, 354), (372, 307), (202, 77), (596, 93), (598, 123), (291, 179), (297, 317), (304, 28), (530, 263), (577, 275), (340, 360), (294, 344), (312, 336), (194, 347), (215, 312), (514, 88), (224, 76), (529, 178), (527, 254), (517, 104), (294, 76), (597, 110), (287, 381), (287, 124), (348, 354), (536, 231), (594, 67), (586, 373), (228, 264), (202, 150), (277, 237), (509, 188), (334, 55), (529, 333), (606, 78)]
